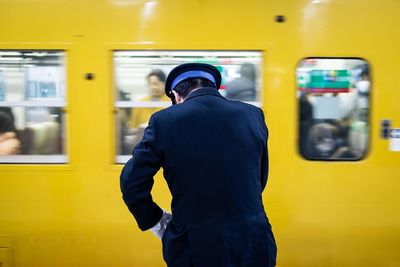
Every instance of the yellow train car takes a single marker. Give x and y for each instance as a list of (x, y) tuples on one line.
[(73, 73)]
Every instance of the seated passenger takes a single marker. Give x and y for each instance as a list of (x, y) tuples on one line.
[(323, 141), (358, 142), (45, 138), (9, 143)]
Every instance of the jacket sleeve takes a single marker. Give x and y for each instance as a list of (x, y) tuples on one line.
[(137, 180), (264, 158)]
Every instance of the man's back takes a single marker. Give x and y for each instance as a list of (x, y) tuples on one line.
[(214, 155), (213, 151)]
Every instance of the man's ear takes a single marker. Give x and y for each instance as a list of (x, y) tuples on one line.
[(178, 98)]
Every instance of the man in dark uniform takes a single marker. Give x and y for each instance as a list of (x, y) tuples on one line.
[(214, 155)]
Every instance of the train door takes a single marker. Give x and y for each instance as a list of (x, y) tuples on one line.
[(332, 199)]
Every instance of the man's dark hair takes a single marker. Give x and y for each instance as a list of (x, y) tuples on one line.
[(185, 87), (159, 74)]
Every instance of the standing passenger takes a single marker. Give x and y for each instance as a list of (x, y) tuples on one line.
[(156, 82), (244, 87), (215, 159)]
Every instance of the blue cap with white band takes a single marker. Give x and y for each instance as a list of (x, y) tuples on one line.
[(191, 70)]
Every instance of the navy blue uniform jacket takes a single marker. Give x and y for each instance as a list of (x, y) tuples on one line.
[(214, 155)]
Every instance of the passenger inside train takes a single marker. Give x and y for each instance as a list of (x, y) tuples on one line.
[(140, 80), (333, 108), (9, 143), (156, 83), (32, 97), (244, 87)]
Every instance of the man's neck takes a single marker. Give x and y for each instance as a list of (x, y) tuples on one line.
[(196, 89)]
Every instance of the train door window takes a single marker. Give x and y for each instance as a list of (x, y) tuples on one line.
[(334, 104), (140, 78), (32, 98)]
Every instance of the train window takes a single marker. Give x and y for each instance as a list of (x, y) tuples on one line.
[(32, 97), (333, 96), (140, 78)]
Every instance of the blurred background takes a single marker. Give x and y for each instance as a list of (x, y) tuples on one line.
[(79, 81)]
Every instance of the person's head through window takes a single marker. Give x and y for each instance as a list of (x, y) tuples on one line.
[(363, 84), (248, 71), (7, 120), (9, 144), (323, 140), (243, 88), (156, 80)]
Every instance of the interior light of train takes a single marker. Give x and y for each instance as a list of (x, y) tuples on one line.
[(9, 53), (187, 53), (10, 58)]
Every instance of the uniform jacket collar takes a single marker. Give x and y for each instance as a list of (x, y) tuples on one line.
[(203, 91)]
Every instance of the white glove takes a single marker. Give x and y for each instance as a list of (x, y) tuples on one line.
[(159, 229)]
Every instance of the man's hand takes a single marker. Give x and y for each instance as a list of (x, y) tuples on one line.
[(159, 229), (9, 144)]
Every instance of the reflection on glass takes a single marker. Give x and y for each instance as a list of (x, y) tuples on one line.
[(140, 79), (333, 108)]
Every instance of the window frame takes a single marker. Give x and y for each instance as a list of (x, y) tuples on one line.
[(61, 102), (119, 159), (368, 149)]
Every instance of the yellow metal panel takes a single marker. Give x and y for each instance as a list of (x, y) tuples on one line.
[(6, 257), (323, 214)]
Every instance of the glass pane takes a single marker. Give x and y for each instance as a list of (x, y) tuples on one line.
[(334, 97), (140, 75), (32, 96), (32, 75), (31, 131)]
